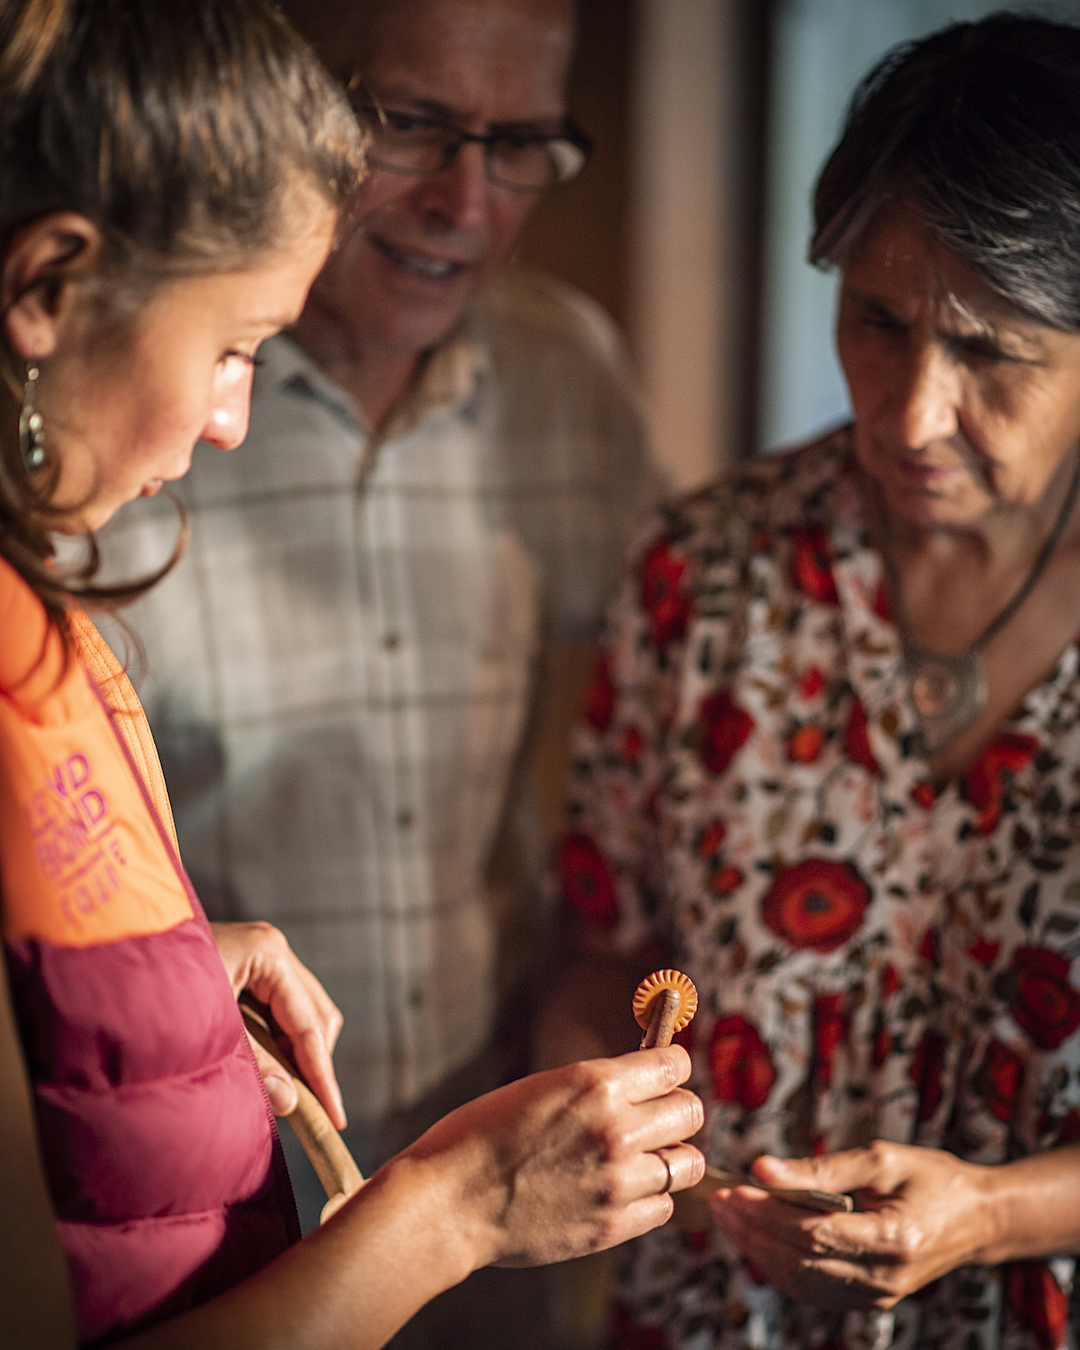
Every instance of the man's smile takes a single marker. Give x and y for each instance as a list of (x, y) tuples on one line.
[(424, 265)]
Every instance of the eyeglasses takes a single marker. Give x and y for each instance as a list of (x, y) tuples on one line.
[(521, 160)]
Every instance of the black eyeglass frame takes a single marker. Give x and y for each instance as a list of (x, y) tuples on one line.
[(570, 132)]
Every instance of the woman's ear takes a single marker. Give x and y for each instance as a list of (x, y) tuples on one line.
[(36, 276)]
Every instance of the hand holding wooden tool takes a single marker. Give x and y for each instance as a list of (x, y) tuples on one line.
[(664, 1003), (329, 1155)]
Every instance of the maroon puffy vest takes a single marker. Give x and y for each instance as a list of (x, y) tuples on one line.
[(160, 1151)]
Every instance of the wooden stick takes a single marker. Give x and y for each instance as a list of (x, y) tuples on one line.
[(661, 1020), (330, 1157), (692, 1211), (826, 1202)]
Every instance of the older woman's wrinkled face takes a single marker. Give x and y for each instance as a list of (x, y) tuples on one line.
[(962, 402)]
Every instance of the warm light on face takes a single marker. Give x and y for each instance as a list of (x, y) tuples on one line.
[(123, 422)]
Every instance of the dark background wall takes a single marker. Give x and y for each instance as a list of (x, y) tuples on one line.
[(580, 233)]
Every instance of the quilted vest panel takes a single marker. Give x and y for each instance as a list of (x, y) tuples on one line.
[(160, 1152)]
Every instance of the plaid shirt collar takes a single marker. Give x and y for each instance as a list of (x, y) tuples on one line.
[(449, 379)]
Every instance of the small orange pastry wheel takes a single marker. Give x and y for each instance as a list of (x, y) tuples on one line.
[(664, 991)]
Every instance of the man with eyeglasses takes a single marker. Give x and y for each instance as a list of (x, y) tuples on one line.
[(356, 673)]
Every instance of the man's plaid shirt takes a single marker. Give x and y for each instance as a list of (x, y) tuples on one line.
[(340, 670)]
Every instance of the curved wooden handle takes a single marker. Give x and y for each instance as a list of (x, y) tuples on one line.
[(331, 1159)]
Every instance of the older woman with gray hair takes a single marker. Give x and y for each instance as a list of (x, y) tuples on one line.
[(831, 761)]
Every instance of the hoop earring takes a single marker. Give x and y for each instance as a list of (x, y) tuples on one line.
[(31, 424)]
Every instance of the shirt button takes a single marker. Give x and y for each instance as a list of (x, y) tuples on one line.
[(404, 818), (391, 641)]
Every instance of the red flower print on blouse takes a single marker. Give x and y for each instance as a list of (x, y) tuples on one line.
[(924, 795), (1001, 1079), (857, 742), (742, 1067), (811, 682), (890, 981), (1068, 1131), (663, 577), (985, 782), (1043, 1001), (725, 880), (830, 1026), (625, 1334), (710, 838), (587, 882), (631, 746), (925, 1072), (983, 951), (881, 1041), (816, 903), (725, 729), (811, 564), (1037, 1302), (882, 608), (804, 745), (600, 703)]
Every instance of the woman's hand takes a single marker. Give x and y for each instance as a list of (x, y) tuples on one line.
[(566, 1162), (258, 957), (550, 1167), (923, 1212)]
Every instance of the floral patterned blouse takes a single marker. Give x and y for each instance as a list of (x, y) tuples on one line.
[(874, 958)]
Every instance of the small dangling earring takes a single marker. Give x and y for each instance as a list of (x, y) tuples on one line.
[(31, 424)]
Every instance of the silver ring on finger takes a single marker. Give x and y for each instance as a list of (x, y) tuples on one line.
[(666, 1188)]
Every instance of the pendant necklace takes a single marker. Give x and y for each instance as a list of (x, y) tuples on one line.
[(949, 692)]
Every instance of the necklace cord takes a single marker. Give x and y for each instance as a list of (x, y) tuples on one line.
[(998, 622)]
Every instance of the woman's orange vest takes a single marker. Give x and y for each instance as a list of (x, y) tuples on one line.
[(163, 1163)]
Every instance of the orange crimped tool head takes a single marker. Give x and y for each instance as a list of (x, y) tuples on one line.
[(655, 984)]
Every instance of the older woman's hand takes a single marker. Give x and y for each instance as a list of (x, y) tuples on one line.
[(922, 1213), (569, 1161)]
